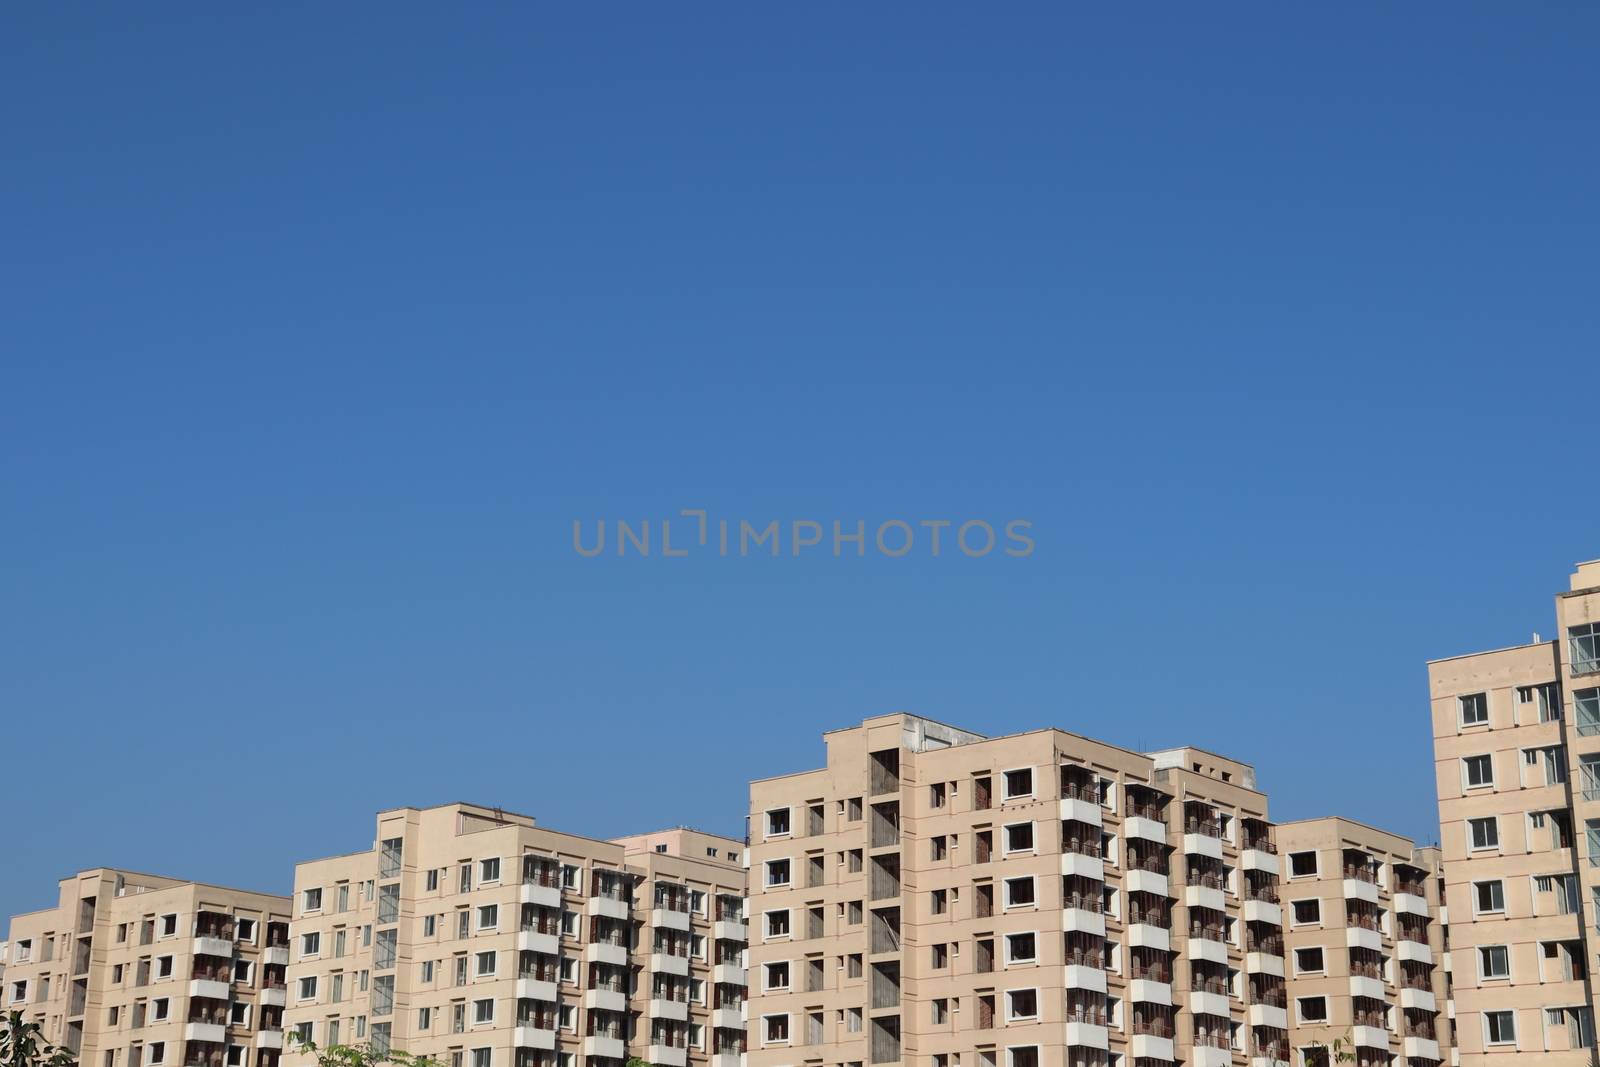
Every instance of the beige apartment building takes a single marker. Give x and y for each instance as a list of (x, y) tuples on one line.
[(1365, 944), (137, 970), (1038, 900), (1517, 751), (477, 938)]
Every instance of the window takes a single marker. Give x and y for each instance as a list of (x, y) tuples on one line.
[(160, 1008), (1307, 911), (311, 900), (1309, 961), (489, 870), (158, 1050), (310, 944), (1019, 892), (163, 966), (1484, 832), (1022, 948), (1312, 1009), (239, 1014), (1302, 865), (1494, 961), (169, 926), (778, 822), (777, 873), (1489, 897), (775, 1029), (429, 925), (431, 880), (777, 975), (1019, 837), (245, 931), (486, 964), (427, 971), (488, 916), (1022, 1004), (1019, 783), (235, 1056), (936, 795), (308, 987), (1022, 1056), (1474, 708), (482, 1057), (483, 1011), (1477, 771), (778, 923), (1584, 648), (1500, 1027), (424, 1019)]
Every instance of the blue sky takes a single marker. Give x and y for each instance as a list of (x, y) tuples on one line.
[(318, 330)]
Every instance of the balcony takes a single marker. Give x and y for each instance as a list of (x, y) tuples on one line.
[(1151, 1047), (1081, 917), (270, 1039), (1255, 858), (213, 946), (667, 1056), (1203, 1003), (1417, 1000), (728, 1059), (1149, 991), (527, 1036), (606, 908), (1369, 1036), (602, 952), (1361, 937), (1075, 864), (1197, 844), (728, 974), (1145, 829), (605, 1000), (1086, 1032), (215, 1033), (1199, 896), (1363, 986), (666, 963), (1141, 881), (536, 989), (1269, 1015), (1077, 809), (1148, 935), (667, 1008), (209, 988), (531, 941), (545, 896), (1079, 976), (1411, 904), (1413, 952), (1210, 1056), (275, 955), (669, 918), (1207, 946), (728, 1019), (273, 996), (729, 930), (1360, 889), (611, 1048), (1261, 911), (1421, 1048), (1263, 963)]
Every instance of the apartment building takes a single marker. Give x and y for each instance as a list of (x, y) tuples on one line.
[(137, 970), (477, 938), (1517, 752), (1365, 944), (1035, 900)]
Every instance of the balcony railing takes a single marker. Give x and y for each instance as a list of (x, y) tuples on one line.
[(1260, 844), (1266, 893), (1272, 946), (1361, 874), (1092, 1016), (1152, 1028), (1147, 811)]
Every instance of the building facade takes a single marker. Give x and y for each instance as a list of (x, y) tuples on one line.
[(1039, 900), (137, 970), (1365, 944), (476, 938), (1517, 757)]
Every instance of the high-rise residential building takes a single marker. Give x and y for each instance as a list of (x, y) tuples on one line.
[(934, 896), (1516, 735), (477, 938), (137, 970), (1365, 944)]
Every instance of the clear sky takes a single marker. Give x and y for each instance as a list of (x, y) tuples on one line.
[(319, 328)]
